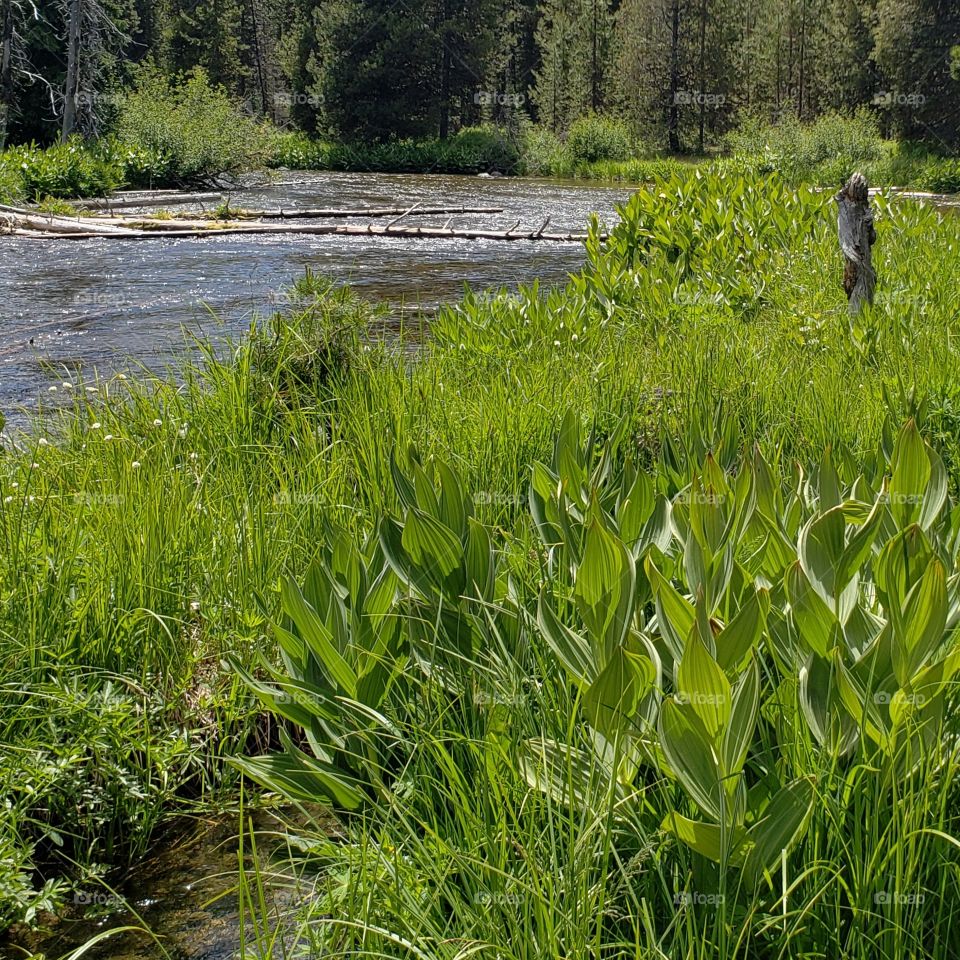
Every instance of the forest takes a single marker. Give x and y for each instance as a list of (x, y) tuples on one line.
[(681, 73)]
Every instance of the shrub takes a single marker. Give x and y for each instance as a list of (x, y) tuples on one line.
[(71, 169), (595, 137), (544, 154), (825, 151), (297, 151), (12, 187), (309, 345), (186, 131), (472, 150)]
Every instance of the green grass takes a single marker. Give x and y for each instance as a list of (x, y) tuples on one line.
[(143, 542)]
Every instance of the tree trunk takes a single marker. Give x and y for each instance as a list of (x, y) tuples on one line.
[(595, 64), (857, 236), (803, 52), (70, 91), (673, 114), (6, 67), (703, 63), (445, 67)]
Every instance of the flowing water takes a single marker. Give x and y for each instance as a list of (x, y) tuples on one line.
[(73, 308)]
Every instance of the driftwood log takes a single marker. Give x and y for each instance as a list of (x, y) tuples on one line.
[(158, 199), (857, 236), (241, 214), (340, 230), (19, 220)]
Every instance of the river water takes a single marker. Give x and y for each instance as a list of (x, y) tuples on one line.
[(71, 309)]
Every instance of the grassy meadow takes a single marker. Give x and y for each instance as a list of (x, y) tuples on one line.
[(620, 622)]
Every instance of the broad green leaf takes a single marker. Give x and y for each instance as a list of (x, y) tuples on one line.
[(611, 700), (813, 619), (901, 563), (779, 829), (317, 637), (675, 613), (431, 545), (296, 776), (690, 755), (918, 630), (742, 634), (820, 548), (740, 729), (910, 474), (572, 650), (707, 839)]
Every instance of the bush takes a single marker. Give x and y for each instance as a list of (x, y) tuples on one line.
[(595, 137), (473, 150), (186, 132), (544, 154), (825, 151), (12, 187), (297, 151), (309, 345), (71, 169)]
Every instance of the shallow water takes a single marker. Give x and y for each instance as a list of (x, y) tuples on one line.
[(185, 893), (79, 307)]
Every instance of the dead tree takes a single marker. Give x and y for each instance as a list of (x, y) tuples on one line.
[(857, 236), (71, 88)]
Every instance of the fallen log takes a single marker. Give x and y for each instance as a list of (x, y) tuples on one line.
[(50, 225), (329, 230), (147, 200), (240, 214)]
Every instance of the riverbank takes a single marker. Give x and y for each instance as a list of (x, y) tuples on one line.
[(820, 153), (146, 527)]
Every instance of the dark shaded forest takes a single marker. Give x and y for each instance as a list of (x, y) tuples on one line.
[(681, 72)]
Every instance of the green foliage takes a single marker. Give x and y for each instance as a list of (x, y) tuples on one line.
[(139, 545), (543, 153), (307, 348), (593, 138), (825, 151), (482, 149), (12, 187), (185, 131), (740, 645), (67, 170)]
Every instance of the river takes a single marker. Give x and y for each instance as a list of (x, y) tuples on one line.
[(73, 309)]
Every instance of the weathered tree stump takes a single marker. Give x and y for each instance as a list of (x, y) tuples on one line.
[(857, 236)]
